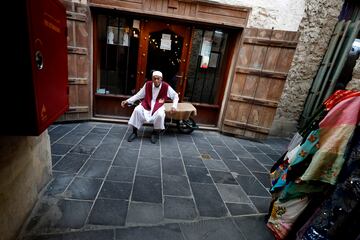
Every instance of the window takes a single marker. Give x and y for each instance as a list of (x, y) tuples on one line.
[(118, 51), (206, 65)]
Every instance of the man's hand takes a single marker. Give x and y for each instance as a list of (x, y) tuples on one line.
[(123, 103), (172, 110)]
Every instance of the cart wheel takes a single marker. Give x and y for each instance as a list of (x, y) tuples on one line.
[(186, 126)]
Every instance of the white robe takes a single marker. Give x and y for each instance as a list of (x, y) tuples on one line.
[(141, 115)]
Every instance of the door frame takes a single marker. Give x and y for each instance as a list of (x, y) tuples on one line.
[(155, 25)]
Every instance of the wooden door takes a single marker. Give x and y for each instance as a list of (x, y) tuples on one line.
[(165, 47), (78, 63), (261, 70)]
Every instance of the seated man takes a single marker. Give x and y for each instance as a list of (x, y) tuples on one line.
[(151, 109)]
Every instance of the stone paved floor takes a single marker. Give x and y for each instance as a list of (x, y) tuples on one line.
[(203, 185)]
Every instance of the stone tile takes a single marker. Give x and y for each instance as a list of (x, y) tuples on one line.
[(82, 129), (274, 157), (179, 208), (189, 150), (264, 178), (261, 203), (252, 186), (135, 144), (176, 185), (60, 149), (237, 209), (126, 157), (172, 151), (100, 130), (253, 227), (92, 139), (211, 230), (88, 235), (223, 177), (95, 169), (208, 200), (245, 142), (253, 165), (164, 232), (73, 213), (266, 149), (113, 139), (243, 154), (83, 149), (262, 158), (173, 166), (216, 165), (184, 138), (237, 167), (83, 188), (121, 174), (193, 161), (71, 163), (252, 149), (105, 151), (55, 159), (144, 213), (211, 153), (53, 214), (59, 184), (148, 167), (215, 141), (147, 189), (109, 212), (224, 152), (232, 193), (197, 174), (150, 151), (70, 139), (115, 190)]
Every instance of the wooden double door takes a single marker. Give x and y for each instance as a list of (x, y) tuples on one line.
[(164, 47)]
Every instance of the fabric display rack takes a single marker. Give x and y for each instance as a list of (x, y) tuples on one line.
[(315, 185)]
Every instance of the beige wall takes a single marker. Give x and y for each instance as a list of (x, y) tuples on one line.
[(277, 14), (25, 168)]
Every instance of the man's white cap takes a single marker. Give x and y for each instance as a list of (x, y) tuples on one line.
[(157, 73)]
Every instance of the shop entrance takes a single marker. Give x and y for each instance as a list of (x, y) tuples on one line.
[(164, 47)]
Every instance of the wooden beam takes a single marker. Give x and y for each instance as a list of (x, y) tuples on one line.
[(78, 81), (78, 109), (270, 42), (257, 101), (262, 73), (77, 50), (76, 16), (247, 126)]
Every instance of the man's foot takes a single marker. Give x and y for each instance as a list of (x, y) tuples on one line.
[(154, 137), (132, 136)]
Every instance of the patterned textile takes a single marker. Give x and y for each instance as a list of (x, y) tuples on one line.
[(338, 216), (308, 148), (338, 96), (283, 216), (336, 130)]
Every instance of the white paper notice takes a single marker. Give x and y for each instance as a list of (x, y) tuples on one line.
[(206, 48), (165, 42)]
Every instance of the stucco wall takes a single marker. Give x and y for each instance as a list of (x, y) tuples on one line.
[(354, 84), (279, 14), (25, 167), (316, 29)]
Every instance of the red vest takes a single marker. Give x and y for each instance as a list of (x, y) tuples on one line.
[(160, 100)]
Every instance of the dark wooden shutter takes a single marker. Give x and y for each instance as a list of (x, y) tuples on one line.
[(261, 70), (78, 17)]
